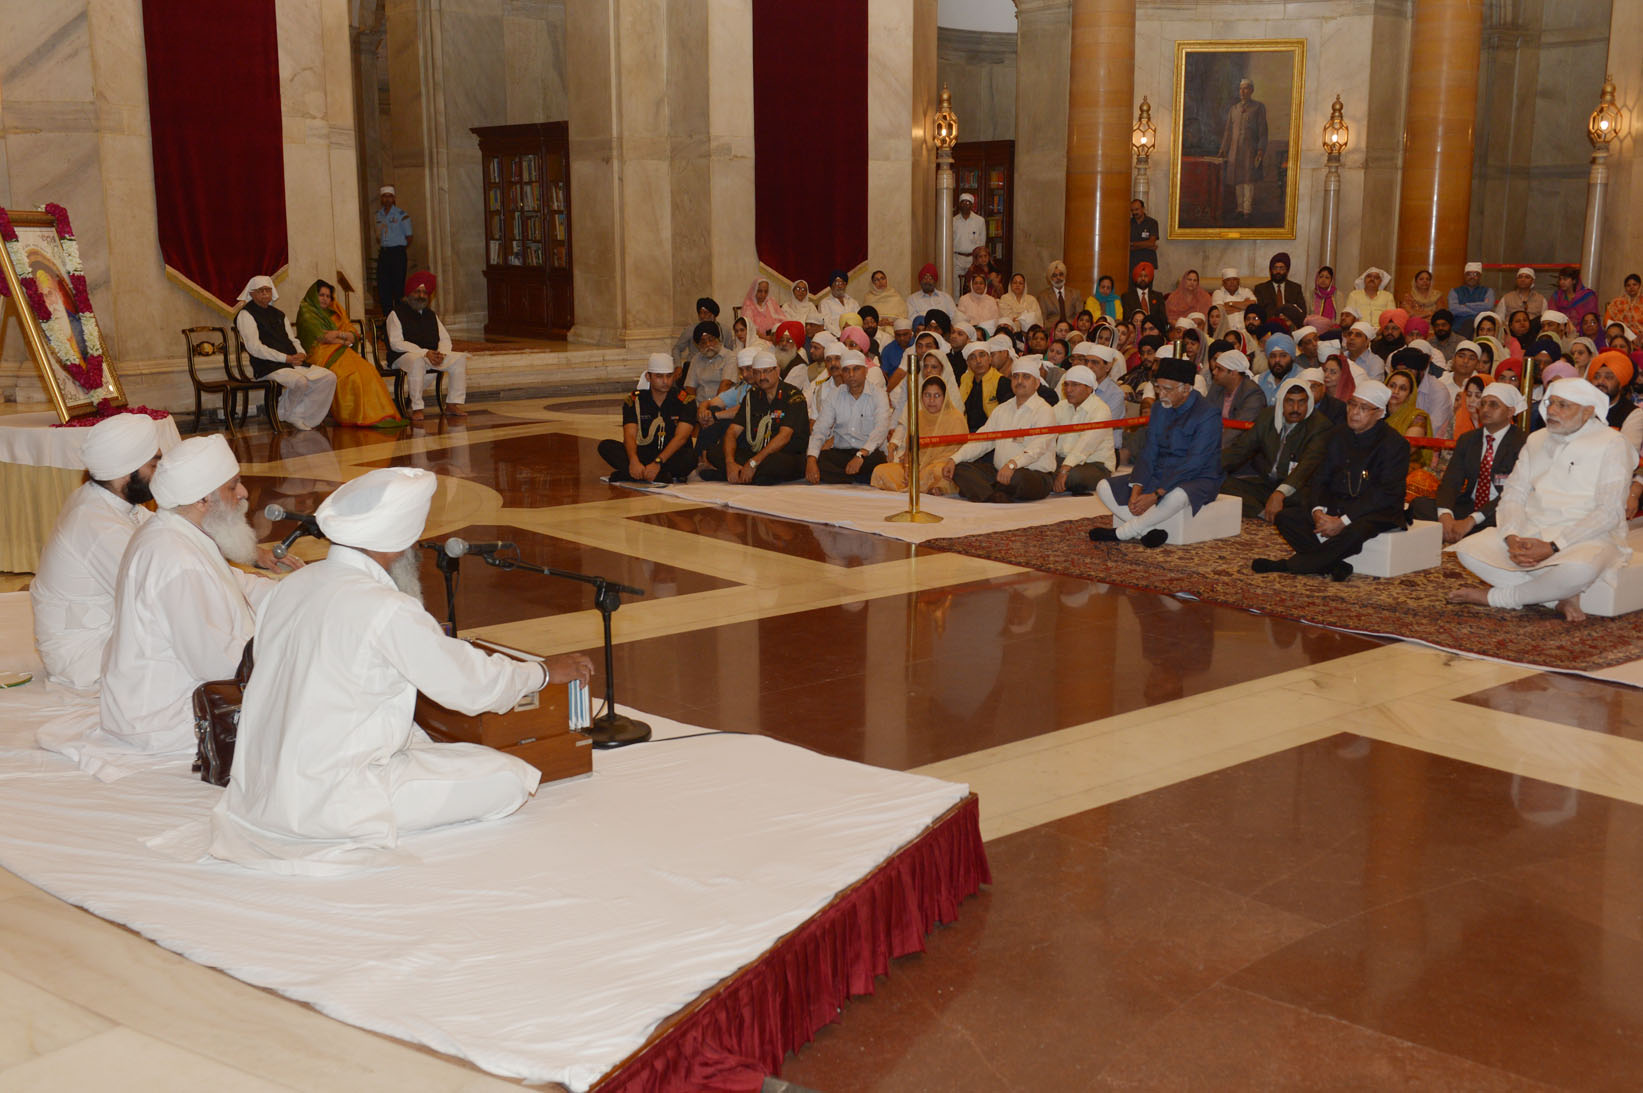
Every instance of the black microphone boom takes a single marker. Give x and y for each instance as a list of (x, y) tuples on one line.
[(306, 525), (456, 548)]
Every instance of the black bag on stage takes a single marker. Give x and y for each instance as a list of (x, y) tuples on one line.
[(217, 722)]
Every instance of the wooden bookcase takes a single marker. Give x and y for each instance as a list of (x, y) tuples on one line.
[(986, 168), (525, 172)]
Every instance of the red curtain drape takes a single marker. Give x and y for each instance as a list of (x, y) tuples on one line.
[(810, 137), (214, 123)]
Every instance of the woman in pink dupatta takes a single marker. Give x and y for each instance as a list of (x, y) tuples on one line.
[(760, 309), (1323, 293)]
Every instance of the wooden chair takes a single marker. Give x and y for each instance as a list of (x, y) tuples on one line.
[(212, 342), (377, 336), (241, 372), (368, 339)]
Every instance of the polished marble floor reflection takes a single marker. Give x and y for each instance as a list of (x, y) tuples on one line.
[(1229, 851)]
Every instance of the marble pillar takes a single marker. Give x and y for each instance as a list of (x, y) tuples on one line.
[(1435, 192), (1623, 220), (901, 177), (1043, 61), (1095, 227)]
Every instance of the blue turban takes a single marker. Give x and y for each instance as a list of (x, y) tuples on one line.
[(1281, 341)]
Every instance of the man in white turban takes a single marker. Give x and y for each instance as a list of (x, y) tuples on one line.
[(271, 342), (329, 769), (182, 614), (1560, 523), (73, 590)]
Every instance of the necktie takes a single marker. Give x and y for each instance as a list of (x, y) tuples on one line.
[(1143, 295), (1060, 302), (1280, 466), (1486, 473)]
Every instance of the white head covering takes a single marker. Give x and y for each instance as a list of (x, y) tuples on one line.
[(901, 322), (1198, 317), (1032, 364), (1110, 355), (764, 358), (1312, 375), (383, 510), (1234, 361), (1185, 323), (192, 469), (1511, 396), (1229, 272), (1480, 316), (385, 188), (1079, 373), (969, 330), (1521, 270), (1477, 350), (971, 198), (1000, 343), (259, 281), (1591, 346), (1373, 392), (661, 362), (118, 445), (1329, 349), (1086, 349), (1550, 316), (1386, 278), (1571, 389), (744, 357), (1358, 373), (1303, 332), (853, 358), (1365, 329), (1473, 267), (976, 347), (1303, 384)]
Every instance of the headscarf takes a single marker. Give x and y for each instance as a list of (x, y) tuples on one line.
[(118, 445), (1183, 301), (1278, 400), (192, 470), (1386, 279), (802, 311), (1432, 296), (1408, 414), (382, 510), (259, 281), (1109, 300), (761, 317), (949, 422), (421, 279), (1580, 392), (1323, 303), (1615, 361), (1348, 383), (314, 322), (890, 304)]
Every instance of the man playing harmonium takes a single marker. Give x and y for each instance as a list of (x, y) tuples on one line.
[(329, 770)]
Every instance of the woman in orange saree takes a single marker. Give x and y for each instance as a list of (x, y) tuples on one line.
[(328, 337)]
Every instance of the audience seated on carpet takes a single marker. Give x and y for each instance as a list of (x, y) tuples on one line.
[(329, 770), (854, 424), (1082, 459), (1271, 464), (658, 427), (72, 592), (1101, 360), (182, 614), (709, 367), (1177, 467), (418, 341), (1408, 420), (1019, 469), (766, 441), (1357, 493), (1237, 395), (713, 417), (1478, 468), (938, 415), (1561, 519), (707, 311), (271, 342), (981, 389)]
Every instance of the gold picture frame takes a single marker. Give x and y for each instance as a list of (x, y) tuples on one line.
[(1219, 145), (40, 246)]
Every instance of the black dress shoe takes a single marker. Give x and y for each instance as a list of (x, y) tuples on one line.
[(1266, 565), (1340, 571), (1157, 537), (1103, 535)]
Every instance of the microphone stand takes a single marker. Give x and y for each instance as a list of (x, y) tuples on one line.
[(610, 729)]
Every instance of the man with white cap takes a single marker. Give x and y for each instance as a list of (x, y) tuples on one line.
[(1470, 298), (1478, 468), (969, 232), (329, 770), (182, 614), (1356, 340), (271, 342), (657, 428), (1232, 298), (1011, 469), (1101, 360), (1554, 324), (767, 438), (73, 588), (1522, 296), (1082, 459), (857, 420), (1235, 391), (1275, 460), (1561, 519), (1356, 494), (393, 231)]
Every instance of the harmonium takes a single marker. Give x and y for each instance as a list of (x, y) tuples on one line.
[(538, 730)]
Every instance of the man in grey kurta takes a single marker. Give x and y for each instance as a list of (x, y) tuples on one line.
[(1243, 146)]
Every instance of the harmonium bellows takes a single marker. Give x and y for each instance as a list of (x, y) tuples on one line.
[(537, 730)]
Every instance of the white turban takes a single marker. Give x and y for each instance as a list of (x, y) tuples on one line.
[(1229, 273), (1085, 349), (1328, 349), (1109, 354), (1303, 332), (1550, 316), (1031, 364), (1374, 392), (1079, 373), (1477, 350), (192, 470), (1521, 270), (382, 510), (1000, 343), (385, 188), (1511, 396), (1474, 267), (253, 285), (969, 331), (971, 198), (118, 445), (1312, 375), (744, 357), (661, 362), (901, 323), (1185, 323), (976, 347), (853, 358), (1364, 328), (766, 359), (1580, 392), (1233, 361)]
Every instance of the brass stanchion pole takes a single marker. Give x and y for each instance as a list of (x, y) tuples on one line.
[(912, 515)]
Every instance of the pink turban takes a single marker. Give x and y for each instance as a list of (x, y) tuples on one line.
[(1416, 327), (856, 336)]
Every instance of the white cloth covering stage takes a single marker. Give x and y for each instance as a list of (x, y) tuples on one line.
[(863, 508), (31, 440), (545, 946)]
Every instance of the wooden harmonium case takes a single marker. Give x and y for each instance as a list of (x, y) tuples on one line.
[(537, 730)]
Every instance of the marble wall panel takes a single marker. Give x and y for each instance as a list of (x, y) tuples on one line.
[(1622, 226), (1043, 62), (45, 52), (591, 79), (302, 58), (978, 67), (732, 249)]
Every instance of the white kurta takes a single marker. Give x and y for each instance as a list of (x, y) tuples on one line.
[(308, 389), (832, 309), (969, 232), (1024, 313), (1091, 446), (329, 769), (73, 591), (415, 364), (182, 616), (1035, 453)]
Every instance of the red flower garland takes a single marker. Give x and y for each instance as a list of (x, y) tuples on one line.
[(106, 410), (89, 376)]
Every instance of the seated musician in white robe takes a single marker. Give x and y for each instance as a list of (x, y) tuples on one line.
[(182, 614), (329, 769), (73, 590), (271, 342), (1561, 521)]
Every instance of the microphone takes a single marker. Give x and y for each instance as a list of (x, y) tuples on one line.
[(456, 548), (306, 525)]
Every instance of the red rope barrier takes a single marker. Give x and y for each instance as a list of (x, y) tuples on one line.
[(1121, 423)]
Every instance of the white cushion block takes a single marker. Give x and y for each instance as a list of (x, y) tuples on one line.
[(1625, 594), (1222, 518), (1394, 553)]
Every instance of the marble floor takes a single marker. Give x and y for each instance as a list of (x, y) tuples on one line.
[(1228, 851)]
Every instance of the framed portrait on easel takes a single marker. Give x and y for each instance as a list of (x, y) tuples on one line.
[(45, 287)]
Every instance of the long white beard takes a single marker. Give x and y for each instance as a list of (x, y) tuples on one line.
[(406, 573), (230, 530)]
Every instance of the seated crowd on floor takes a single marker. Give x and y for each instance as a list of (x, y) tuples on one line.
[(1333, 415)]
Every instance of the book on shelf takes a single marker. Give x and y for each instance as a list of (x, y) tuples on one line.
[(494, 249)]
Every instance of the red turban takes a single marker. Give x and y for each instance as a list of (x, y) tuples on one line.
[(1140, 267), (792, 330), (1615, 361), (929, 268), (422, 278)]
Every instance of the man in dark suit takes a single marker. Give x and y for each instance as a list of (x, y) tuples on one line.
[(1142, 300), (1278, 291), (1483, 459), (1275, 461), (1356, 494), (1058, 302)]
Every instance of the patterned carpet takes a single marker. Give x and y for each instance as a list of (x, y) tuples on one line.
[(1413, 606)]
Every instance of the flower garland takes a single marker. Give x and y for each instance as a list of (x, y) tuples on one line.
[(89, 375), (106, 410)]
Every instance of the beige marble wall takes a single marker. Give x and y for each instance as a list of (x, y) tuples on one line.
[(1043, 60), (1622, 228), (74, 129), (979, 68)]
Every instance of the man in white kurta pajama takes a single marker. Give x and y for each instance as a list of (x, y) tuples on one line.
[(271, 342), (329, 769), (72, 593), (1561, 520)]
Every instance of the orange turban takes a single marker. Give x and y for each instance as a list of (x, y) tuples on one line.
[(1616, 362)]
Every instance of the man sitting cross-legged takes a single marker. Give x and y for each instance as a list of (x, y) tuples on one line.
[(1083, 459), (1561, 520), (657, 427), (1482, 460), (857, 420), (1274, 460), (1178, 466), (1020, 468), (1356, 494), (766, 441)]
